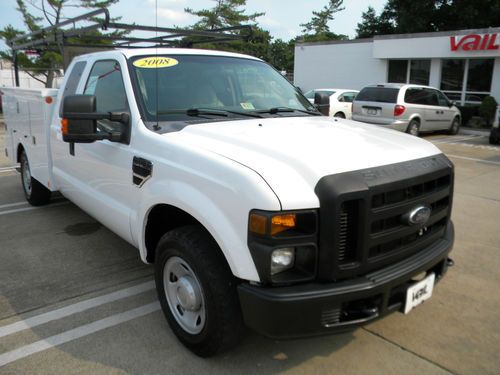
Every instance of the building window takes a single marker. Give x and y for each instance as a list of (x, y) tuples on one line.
[(409, 71), (452, 75), (479, 75), (467, 81), (420, 71), (398, 71)]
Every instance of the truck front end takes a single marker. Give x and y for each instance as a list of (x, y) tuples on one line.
[(377, 244)]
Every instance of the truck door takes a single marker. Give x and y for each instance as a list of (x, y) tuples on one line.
[(99, 174)]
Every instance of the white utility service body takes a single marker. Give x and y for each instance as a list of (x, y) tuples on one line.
[(217, 173)]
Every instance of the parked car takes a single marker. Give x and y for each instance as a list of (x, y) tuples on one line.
[(340, 100), (408, 108)]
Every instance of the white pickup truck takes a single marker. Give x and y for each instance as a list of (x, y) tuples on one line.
[(254, 209)]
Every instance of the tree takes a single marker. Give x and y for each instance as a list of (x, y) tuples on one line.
[(225, 13), (281, 54), (371, 25), (317, 28), (37, 14), (409, 16)]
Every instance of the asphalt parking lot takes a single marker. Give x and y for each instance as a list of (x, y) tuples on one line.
[(75, 298)]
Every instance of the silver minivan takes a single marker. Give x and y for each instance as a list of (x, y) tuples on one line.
[(405, 107)]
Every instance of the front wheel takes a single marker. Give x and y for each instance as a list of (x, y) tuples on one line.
[(339, 115), (197, 291), (455, 126), (36, 194)]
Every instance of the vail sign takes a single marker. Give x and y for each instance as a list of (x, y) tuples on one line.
[(474, 42)]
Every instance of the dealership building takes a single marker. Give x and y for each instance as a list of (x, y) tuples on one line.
[(465, 64)]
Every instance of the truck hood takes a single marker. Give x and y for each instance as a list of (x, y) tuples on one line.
[(293, 153)]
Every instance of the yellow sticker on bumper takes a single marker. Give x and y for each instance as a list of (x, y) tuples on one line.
[(155, 62)]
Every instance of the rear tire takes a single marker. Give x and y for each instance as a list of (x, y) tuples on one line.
[(339, 115), (455, 126), (413, 128), (36, 194), (197, 291)]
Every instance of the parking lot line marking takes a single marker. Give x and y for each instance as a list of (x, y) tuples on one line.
[(32, 208), (13, 204), (455, 139), (474, 159), (76, 333), (75, 308), (8, 169)]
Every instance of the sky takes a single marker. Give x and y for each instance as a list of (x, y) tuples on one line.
[(282, 18)]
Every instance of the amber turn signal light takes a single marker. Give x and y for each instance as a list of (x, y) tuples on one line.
[(258, 224), (64, 126), (280, 223)]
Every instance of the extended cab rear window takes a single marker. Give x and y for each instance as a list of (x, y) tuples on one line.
[(378, 94)]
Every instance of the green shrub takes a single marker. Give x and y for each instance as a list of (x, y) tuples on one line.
[(487, 109)]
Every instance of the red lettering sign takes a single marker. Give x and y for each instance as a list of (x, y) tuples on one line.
[(474, 42)]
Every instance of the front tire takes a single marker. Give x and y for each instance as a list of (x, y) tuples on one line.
[(455, 126), (36, 194), (197, 291), (413, 128), (339, 115)]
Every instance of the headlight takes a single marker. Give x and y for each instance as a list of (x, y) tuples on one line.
[(282, 259), (284, 245)]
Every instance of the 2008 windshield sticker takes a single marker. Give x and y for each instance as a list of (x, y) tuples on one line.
[(155, 62)]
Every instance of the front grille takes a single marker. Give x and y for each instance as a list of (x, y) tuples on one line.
[(362, 215), (388, 232)]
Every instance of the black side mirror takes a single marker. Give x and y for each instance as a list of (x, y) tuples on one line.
[(322, 102), (77, 129), (79, 123)]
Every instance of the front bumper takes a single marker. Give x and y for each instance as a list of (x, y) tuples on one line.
[(316, 309)]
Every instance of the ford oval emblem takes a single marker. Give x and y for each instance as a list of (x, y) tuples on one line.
[(418, 215)]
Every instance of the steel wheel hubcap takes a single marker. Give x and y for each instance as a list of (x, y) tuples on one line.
[(26, 176), (414, 129), (184, 295)]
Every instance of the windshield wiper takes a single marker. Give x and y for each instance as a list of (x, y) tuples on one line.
[(209, 111), (276, 110)]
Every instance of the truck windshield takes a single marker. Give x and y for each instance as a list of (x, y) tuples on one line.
[(178, 87)]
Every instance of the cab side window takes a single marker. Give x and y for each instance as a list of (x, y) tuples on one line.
[(106, 83), (72, 82)]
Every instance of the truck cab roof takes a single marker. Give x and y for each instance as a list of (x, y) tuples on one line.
[(128, 53)]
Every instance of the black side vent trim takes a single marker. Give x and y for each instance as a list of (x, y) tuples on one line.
[(348, 227), (142, 170)]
